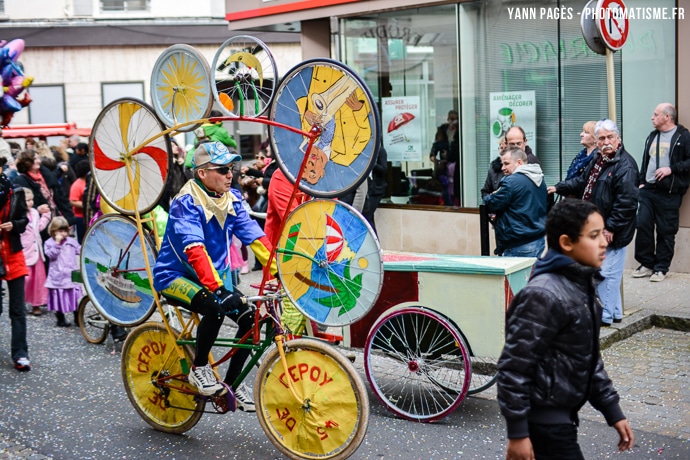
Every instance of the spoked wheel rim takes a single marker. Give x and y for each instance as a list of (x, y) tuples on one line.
[(92, 324), (484, 374), (245, 77), (417, 364)]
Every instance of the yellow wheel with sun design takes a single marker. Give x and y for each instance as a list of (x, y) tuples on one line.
[(181, 87)]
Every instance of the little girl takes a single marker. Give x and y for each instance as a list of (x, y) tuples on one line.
[(35, 292), (62, 251)]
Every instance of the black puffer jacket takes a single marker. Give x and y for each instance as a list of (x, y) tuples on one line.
[(615, 194), (551, 365)]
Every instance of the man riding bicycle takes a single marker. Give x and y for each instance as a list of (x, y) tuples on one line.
[(193, 264)]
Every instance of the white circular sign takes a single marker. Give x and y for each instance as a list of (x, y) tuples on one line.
[(612, 23)]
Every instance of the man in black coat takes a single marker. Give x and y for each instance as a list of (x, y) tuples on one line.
[(611, 182), (664, 178)]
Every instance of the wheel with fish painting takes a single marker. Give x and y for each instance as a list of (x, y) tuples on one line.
[(326, 94), (113, 269), (130, 158), (330, 262), (244, 76)]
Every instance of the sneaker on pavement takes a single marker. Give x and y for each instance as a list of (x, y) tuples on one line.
[(244, 399), (205, 380), (22, 364), (657, 276), (641, 272)]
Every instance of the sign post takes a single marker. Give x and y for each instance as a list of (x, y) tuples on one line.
[(613, 26)]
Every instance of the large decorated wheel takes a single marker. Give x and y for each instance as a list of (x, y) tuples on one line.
[(181, 87), (130, 160), (113, 270), (330, 262), (327, 94), (245, 76)]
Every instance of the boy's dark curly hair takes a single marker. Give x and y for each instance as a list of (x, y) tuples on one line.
[(567, 217)]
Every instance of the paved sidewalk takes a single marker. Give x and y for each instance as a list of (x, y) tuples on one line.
[(671, 296), (664, 304)]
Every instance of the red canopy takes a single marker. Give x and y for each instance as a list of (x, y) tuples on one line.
[(44, 130)]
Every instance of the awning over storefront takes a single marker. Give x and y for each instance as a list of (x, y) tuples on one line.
[(44, 130)]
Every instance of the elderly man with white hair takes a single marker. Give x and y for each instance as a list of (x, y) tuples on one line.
[(611, 182)]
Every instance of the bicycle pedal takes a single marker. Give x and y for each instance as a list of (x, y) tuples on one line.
[(224, 400)]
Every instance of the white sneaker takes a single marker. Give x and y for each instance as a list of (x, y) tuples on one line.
[(244, 399), (22, 364), (657, 276), (641, 272), (205, 380)]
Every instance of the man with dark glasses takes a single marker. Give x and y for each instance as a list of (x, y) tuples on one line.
[(193, 265)]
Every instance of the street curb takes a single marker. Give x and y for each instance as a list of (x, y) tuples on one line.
[(639, 321)]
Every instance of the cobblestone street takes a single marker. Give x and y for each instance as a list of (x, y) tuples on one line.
[(650, 371), (649, 367)]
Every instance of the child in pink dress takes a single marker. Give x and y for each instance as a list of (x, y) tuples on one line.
[(62, 251), (35, 292)]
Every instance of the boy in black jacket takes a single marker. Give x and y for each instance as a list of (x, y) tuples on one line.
[(551, 365)]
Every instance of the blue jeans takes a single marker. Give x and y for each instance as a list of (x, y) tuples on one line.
[(610, 289), (532, 249)]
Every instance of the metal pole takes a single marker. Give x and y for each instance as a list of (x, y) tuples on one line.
[(484, 230), (611, 82)]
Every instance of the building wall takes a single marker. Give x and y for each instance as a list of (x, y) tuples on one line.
[(82, 70), (430, 231), (66, 9)]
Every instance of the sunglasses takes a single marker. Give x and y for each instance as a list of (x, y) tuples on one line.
[(222, 170)]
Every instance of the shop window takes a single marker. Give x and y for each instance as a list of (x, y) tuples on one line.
[(112, 91), (409, 60), (498, 71), (125, 5), (47, 105)]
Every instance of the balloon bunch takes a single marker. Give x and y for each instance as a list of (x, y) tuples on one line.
[(14, 82)]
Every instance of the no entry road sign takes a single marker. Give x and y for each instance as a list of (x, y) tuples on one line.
[(612, 23)]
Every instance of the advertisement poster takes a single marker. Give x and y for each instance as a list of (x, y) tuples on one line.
[(513, 108), (401, 125)]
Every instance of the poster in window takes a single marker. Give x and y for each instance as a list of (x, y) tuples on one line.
[(514, 108), (401, 125)]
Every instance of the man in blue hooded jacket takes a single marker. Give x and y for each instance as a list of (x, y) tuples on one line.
[(520, 207)]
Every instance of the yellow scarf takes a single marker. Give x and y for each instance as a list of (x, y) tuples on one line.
[(213, 206)]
